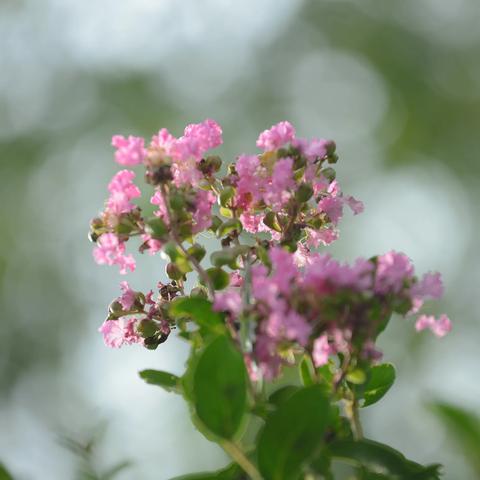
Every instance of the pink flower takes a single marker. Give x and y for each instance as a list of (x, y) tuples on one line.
[(164, 141), (278, 192), (122, 191), (277, 136), (229, 301), (430, 286), (285, 269), (202, 216), (251, 181), (393, 269), (162, 212), (333, 207), (440, 327), (236, 280), (325, 236), (321, 350), (112, 333), (355, 205), (206, 135), (252, 223), (127, 299), (152, 244), (117, 333), (130, 151), (111, 251)]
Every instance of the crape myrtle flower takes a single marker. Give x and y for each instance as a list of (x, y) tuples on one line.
[(271, 212)]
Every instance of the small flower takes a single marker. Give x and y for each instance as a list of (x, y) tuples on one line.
[(392, 271), (127, 299), (111, 251), (130, 151), (277, 136), (440, 327), (117, 333), (229, 301), (321, 350)]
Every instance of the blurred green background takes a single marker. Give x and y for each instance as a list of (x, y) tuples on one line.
[(396, 84)]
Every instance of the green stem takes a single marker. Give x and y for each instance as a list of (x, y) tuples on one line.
[(196, 264), (241, 459), (357, 426)]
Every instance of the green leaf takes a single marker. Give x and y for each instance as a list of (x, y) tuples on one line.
[(168, 381), (219, 278), (197, 251), (199, 310), (307, 371), (220, 387), (282, 394), (382, 459), (463, 430), (381, 378), (226, 195), (156, 227), (293, 433), (356, 376), (232, 472), (228, 256), (229, 226), (4, 475), (271, 221)]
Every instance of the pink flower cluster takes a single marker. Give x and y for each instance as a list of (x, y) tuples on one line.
[(326, 307), (130, 310), (111, 251), (122, 192), (270, 182), (187, 151)]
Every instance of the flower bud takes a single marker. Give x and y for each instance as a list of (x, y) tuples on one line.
[(174, 272), (147, 328), (304, 192)]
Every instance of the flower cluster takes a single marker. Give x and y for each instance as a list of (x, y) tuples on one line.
[(270, 211), (325, 308)]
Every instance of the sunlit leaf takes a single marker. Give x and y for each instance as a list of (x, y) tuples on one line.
[(381, 378)]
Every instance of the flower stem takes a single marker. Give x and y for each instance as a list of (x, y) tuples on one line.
[(237, 454), (196, 264)]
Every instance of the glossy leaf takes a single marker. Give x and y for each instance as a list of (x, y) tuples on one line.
[(293, 433), (168, 381), (382, 459), (220, 387), (381, 378)]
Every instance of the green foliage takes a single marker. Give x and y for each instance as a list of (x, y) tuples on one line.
[(382, 459), (201, 310), (232, 472), (168, 381), (220, 388), (380, 379), (463, 430), (4, 475), (293, 433), (219, 278)]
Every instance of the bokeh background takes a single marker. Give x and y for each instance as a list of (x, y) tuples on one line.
[(396, 84)]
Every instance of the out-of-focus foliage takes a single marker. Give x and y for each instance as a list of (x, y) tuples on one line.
[(463, 430)]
